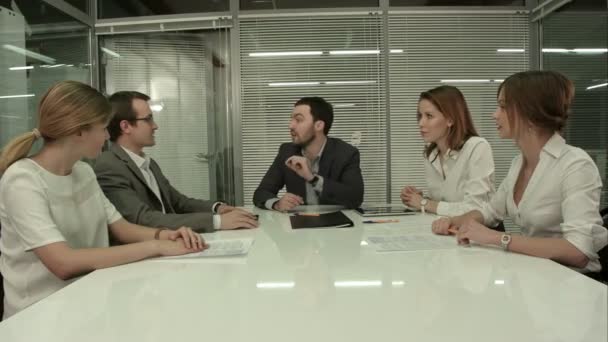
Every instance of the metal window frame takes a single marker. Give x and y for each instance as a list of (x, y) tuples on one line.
[(546, 8), (234, 119), (89, 20), (73, 11)]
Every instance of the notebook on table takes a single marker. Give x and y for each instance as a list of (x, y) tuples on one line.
[(329, 220), (384, 211)]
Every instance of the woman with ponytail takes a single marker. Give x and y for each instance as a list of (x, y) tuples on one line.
[(55, 218)]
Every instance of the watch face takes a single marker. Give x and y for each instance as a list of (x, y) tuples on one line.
[(424, 201)]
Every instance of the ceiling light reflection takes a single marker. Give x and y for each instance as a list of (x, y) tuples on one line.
[(16, 96), (286, 53), (293, 84), (358, 283), (275, 285), (22, 67), (597, 86)]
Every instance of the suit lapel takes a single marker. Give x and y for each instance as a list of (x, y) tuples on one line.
[(327, 158), (298, 183), (122, 155), (164, 192)]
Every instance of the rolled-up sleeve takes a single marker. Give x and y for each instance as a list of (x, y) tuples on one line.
[(582, 224)]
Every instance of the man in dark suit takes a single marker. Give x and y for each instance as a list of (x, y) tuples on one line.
[(136, 186), (315, 169)]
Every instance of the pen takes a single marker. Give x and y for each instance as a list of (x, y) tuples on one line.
[(381, 221)]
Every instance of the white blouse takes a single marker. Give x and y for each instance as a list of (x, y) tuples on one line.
[(38, 208), (469, 177), (561, 200)]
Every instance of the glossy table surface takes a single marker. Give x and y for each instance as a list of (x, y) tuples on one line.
[(325, 285)]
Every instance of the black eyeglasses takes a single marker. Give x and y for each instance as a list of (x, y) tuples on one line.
[(148, 119)]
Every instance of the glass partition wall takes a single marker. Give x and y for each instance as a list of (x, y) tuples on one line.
[(39, 45), (187, 75), (221, 113), (367, 60), (575, 42)]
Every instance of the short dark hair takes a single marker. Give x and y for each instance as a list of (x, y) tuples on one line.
[(122, 109), (320, 110)]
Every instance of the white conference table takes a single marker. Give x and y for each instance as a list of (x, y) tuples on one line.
[(324, 285)]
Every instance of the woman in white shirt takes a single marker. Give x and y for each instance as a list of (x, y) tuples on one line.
[(552, 190), (459, 166), (54, 216)]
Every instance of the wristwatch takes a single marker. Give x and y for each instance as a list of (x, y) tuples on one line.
[(505, 240), (314, 181), (423, 202)]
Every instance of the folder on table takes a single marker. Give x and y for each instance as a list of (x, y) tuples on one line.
[(330, 220)]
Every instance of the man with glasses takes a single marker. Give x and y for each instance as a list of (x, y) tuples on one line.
[(135, 184)]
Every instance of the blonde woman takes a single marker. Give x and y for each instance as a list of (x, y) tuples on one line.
[(54, 216)]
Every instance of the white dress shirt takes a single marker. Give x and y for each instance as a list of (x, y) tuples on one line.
[(468, 181), (561, 200), (143, 163)]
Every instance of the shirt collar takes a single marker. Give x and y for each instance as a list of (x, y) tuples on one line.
[(320, 151), (555, 145), (452, 154), (141, 162)]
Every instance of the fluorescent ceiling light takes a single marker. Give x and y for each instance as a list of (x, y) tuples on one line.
[(499, 81), (465, 81), (590, 51), (345, 105), (597, 86), (364, 243), (286, 53), (350, 82), (293, 84), (358, 283), (398, 283), (22, 67), (396, 50), (510, 50), (156, 107), (555, 50), (110, 52), (499, 282), (354, 52), (29, 53), (16, 96), (275, 285)]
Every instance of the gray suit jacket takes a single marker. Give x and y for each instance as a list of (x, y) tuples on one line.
[(125, 186)]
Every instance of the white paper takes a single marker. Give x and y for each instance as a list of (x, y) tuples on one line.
[(411, 242), (221, 247)]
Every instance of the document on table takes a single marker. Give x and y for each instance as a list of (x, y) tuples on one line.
[(221, 247), (411, 242)]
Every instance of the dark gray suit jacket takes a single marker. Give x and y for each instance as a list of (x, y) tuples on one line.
[(125, 186), (339, 167)]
